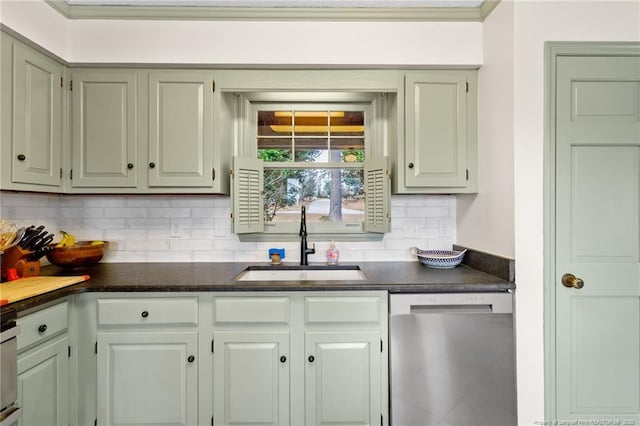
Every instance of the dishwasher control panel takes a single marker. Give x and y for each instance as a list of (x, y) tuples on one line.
[(405, 304)]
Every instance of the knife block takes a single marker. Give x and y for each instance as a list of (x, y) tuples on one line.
[(16, 257)]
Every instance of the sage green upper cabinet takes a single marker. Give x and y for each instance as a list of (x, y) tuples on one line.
[(181, 129), (145, 131), (439, 153), (31, 118), (104, 130)]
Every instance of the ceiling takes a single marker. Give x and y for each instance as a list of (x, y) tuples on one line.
[(301, 10)]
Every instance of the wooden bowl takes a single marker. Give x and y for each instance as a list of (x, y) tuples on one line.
[(83, 253)]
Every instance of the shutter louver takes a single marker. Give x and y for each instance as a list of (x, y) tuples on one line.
[(377, 196), (247, 193)]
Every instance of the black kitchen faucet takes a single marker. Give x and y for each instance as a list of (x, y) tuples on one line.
[(305, 251)]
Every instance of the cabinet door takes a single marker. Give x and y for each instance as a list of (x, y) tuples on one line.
[(43, 384), (342, 378), (181, 129), (37, 118), (147, 378), (104, 135), (251, 378), (436, 130)]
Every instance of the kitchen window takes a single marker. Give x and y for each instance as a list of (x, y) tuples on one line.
[(314, 154)]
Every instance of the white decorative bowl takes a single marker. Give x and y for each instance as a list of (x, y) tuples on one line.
[(440, 259)]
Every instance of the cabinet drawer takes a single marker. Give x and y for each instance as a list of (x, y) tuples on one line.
[(342, 309), (272, 310), (43, 324), (146, 311)]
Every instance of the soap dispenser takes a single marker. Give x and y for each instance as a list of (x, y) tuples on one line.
[(332, 254)]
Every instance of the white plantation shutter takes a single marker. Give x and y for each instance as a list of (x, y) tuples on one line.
[(377, 195), (247, 179)]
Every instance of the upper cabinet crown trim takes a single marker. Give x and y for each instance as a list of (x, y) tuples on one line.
[(276, 13)]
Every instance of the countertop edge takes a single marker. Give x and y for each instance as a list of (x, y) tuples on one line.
[(393, 277)]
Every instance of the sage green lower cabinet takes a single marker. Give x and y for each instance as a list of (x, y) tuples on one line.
[(43, 384), (342, 378), (296, 358), (147, 358), (251, 378), (44, 367), (147, 378), (345, 372), (300, 358)]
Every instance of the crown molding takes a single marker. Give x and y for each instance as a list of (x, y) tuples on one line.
[(487, 7), (436, 14)]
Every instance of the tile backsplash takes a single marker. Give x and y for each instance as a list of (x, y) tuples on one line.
[(197, 228)]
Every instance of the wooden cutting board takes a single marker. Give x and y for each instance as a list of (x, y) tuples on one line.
[(24, 288)]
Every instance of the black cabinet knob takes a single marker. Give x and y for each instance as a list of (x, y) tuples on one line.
[(410, 165), (144, 314), (42, 328), (283, 358), (311, 358), (130, 166), (191, 358), (152, 165), (21, 157)]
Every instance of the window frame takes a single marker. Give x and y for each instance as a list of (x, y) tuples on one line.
[(372, 104), (252, 134)]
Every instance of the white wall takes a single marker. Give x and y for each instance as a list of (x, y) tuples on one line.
[(245, 42), (234, 42), (37, 21), (535, 23), (486, 220)]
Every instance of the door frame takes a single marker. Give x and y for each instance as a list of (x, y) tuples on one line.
[(553, 50)]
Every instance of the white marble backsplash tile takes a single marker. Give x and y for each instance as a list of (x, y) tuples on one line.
[(197, 228)]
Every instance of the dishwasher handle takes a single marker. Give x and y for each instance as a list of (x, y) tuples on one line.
[(407, 304)]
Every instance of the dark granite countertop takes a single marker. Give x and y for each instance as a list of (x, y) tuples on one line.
[(395, 277)]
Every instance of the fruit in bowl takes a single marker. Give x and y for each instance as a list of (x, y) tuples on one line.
[(70, 253)]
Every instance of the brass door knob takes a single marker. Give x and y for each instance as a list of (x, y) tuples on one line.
[(571, 281)]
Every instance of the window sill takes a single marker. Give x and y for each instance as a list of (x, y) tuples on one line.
[(311, 237)]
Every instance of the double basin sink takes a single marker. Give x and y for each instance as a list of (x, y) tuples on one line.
[(301, 273)]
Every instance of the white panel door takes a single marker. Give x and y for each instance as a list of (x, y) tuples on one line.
[(181, 129), (436, 130), (37, 118), (147, 378), (105, 133), (43, 385), (251, 378), (598, 239), (342, 378)]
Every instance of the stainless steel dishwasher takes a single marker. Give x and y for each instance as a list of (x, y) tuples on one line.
[(452, 359)]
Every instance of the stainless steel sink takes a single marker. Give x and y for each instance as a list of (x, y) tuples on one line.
[(302, 273)]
